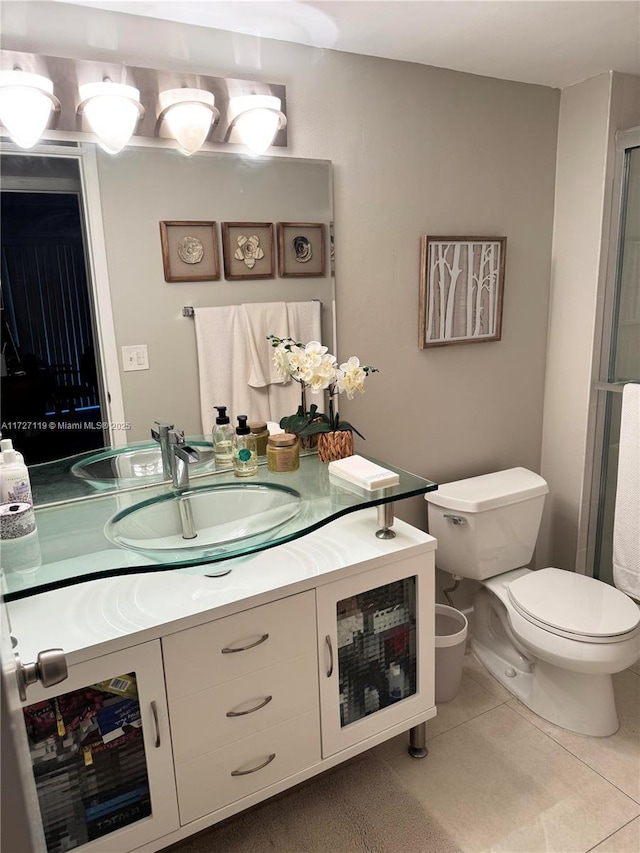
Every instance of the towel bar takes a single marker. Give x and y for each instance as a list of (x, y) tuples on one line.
[(189, 311)]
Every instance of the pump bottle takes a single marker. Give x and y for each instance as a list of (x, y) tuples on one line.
[(223, 437), (7, 444), (245, 455), (14, 478)]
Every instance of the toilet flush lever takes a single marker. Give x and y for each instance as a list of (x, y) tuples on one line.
[(455, 519)]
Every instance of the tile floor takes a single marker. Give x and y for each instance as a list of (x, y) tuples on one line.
[(499, 778)]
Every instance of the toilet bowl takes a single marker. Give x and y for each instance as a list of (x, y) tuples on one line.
[(551, 637)]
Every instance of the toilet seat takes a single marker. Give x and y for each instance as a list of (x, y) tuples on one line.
[(574, 606)]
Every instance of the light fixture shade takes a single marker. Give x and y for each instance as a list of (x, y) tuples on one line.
[(257, 119), (112, 110), (188, 114), (26, 101)]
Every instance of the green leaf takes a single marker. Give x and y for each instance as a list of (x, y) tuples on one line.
[(317, 427), (343, 426)]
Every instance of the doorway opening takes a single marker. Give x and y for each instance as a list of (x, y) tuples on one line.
[(51, 393)]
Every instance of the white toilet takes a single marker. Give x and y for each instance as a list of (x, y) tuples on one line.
[(553, 638)]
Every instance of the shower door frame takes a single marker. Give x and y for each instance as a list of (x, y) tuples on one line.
[(604, 332)]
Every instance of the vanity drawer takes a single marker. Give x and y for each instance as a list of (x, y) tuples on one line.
[(237, 645), (207, 783), (199, 723)]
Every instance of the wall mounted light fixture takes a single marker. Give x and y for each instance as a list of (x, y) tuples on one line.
[(112, 110), (258, 119), (156, 107), (26, 102), (189, 115)]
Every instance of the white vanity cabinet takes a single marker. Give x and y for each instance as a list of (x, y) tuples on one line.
[(243, 702), (376, 661), (101, 753), (248, 684)]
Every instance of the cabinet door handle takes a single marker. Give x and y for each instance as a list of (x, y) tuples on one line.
[(154, 711), (328, 641), (264, 702), (228, 651), (254, 769)]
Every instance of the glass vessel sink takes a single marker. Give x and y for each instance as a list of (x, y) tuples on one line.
[(221, 515), (135, 465)]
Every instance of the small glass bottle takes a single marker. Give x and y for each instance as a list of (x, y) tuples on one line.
[(245, 458), (283, 452), (395, 680), (222, 435), (259, 429)]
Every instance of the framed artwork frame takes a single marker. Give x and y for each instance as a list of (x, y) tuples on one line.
[(190, 251), (461, 290), (248, 250), (301, 249)]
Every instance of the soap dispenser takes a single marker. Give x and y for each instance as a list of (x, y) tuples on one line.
[(14, 476), (222, 435), (7, 444), (245, 455)]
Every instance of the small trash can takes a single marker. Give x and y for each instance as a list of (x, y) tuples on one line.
[(451, 637)]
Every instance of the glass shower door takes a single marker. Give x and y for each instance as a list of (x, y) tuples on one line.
[(623, 358)]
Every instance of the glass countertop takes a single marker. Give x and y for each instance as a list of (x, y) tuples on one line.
[(75, 542)]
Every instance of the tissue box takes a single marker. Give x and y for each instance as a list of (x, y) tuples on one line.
[(361, 472)]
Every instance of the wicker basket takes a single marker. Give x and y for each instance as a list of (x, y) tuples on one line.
[(335, 445)]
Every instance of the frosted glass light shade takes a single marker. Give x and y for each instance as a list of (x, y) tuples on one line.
[(26, 101), (112, 110), (257, 119), (188, 114)]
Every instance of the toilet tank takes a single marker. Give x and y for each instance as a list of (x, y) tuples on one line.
[(487, 525)]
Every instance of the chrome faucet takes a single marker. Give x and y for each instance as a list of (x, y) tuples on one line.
[(161, 435), (181, 457)]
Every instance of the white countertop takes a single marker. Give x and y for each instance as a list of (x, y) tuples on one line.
[(97, 617)]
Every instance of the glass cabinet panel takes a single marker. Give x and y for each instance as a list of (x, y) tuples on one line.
[(89, 761), (377, 660)]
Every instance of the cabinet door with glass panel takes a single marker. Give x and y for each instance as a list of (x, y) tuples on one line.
[(101, 755), (376, 635)]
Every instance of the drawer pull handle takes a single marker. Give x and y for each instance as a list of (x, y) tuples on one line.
[(254, 769), (328, 641), (154, 711), (228, 651), (264, 702)]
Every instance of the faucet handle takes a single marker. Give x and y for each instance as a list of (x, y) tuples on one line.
[(176, 436), (163, 428)]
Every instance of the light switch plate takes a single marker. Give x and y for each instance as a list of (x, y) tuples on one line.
[(135, 357)]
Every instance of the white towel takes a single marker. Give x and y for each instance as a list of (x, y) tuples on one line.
[(304, 321), (262, 319), (626, 523), (222, 359)]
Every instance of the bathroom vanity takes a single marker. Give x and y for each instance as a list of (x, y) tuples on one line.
[(204, 680)]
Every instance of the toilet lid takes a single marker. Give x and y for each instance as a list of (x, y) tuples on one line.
[(574, 603)]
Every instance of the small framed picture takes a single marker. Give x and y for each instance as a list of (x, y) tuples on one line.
[(190, 251), (461, 290), (301, 250), (248, 250)]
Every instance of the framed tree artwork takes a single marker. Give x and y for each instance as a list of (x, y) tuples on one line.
[(189, 251), (461, 290), (248, 250)]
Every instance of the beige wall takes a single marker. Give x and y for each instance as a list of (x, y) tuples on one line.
[(416, 150), (586, 198)]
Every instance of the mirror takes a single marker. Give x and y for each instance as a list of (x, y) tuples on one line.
[(142, 187)]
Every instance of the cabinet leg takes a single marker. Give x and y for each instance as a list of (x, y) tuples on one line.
[(385, 520), (418, 741)]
